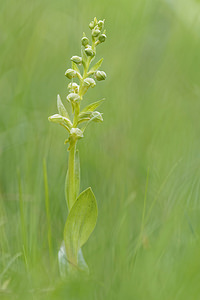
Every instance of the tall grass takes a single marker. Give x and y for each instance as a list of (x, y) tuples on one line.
[(150, 134)]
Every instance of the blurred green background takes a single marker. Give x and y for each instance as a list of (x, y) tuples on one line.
[(142, 162)]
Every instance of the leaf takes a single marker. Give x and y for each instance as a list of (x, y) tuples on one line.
[(95, 67), (64, 264), (80, 223), (77, 173), (91, 107), (61, 108)]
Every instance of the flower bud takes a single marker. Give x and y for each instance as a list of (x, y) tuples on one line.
[(102, 38), (91, 25), (73, 86), (100, 75), (72, 97), (89, 51), (85, 41), (56, 118), (76, 59), (76, 133), (97, 116), (89, 82), (100, 24), (70, 73), (95, 32)]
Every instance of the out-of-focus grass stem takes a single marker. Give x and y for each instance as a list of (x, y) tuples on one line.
[(22, 220), (48, 215)]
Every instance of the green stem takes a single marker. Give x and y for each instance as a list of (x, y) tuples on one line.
[(71, 177)]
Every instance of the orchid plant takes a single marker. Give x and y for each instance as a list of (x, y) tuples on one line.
[(82, 208)]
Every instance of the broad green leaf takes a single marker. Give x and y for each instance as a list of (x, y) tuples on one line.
[(77, 173), (64, 266), (96, 66), (91, 107), (80, 223), (61, 109)]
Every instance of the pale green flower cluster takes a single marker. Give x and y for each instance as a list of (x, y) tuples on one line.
[(85, 80)]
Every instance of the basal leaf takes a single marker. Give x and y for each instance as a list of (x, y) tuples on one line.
[(80, 223), (61, 108), (64, 265), (91, 107)]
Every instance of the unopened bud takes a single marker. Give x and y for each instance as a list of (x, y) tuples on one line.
[(85, 41), (76, 59), (76, 133), (100, 24), (73, 86), (89, 82), (91, 25), (72, 97), (89, 51), (97, 116), (56, 118), (95, 32), (102, 38), (70, 73), (100, 75)]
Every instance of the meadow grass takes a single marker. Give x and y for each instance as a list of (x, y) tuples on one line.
[(142, 162)]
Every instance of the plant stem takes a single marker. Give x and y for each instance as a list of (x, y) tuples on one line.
[(47, 206), (71, 176)]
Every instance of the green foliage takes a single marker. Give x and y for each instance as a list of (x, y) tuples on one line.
[(95, 67), (61, 108), (80, 223), (65, 266), (151, 121), (91, 107)]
